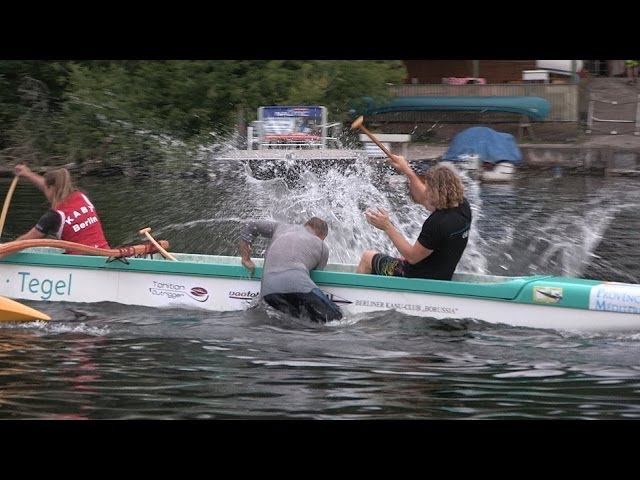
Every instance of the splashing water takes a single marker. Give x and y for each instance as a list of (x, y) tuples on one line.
[(558, 235), (516, 230), (341, 196)]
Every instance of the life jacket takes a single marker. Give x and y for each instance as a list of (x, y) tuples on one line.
[(80, 222)]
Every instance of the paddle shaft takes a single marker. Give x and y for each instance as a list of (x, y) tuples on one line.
[(164, 253), (358, 123), (375, 140), (7, 201)]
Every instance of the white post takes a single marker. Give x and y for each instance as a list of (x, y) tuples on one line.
[(249, 138), (323, 134)]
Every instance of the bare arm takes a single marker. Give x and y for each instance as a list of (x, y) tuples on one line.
[(416, 185), (33, 233), (324, 257), (412, 253), (245, 253), (248, 232), (23, 171)]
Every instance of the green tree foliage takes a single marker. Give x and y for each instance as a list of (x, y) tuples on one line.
[(119, 110), (30, 94)]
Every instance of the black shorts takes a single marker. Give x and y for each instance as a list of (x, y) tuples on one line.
[(314, 304), (382, 264)]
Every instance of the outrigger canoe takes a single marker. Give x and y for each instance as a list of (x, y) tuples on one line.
[(221, 283)]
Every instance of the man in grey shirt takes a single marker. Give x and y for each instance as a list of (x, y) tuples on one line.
[(293, 252)]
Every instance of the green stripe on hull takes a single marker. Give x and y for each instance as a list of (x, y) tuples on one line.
[(574, 292)]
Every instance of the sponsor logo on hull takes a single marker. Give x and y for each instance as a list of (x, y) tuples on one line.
[(243, 295), (615, 297), (336, 298), (173, 291), (547, 294)]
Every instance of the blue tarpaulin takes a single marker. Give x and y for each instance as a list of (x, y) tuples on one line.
[(491, 146)]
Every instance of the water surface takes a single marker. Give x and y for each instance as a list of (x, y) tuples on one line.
[(109, 361)]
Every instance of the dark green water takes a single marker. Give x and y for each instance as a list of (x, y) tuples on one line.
[(107, 361)]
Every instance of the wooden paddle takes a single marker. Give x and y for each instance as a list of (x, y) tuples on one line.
[(128, 251), (7, 200), (357, 123), (165, 254)]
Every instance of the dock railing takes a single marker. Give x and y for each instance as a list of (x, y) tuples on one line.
[(396, 142)]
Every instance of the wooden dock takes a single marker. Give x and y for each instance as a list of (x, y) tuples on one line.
[(302, 154)]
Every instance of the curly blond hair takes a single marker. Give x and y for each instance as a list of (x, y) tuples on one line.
[(446, 185)]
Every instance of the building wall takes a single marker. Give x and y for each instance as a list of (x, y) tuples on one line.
[(494, 71)]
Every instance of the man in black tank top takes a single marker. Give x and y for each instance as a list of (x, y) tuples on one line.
[(445, 233)]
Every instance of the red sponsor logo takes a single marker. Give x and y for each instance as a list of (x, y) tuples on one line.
[(199, 292)]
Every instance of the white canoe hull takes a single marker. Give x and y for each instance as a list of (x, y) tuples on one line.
[(222, 284)]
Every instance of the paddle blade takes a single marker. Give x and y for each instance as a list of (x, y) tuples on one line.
[(357, 123), (12, 311)]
